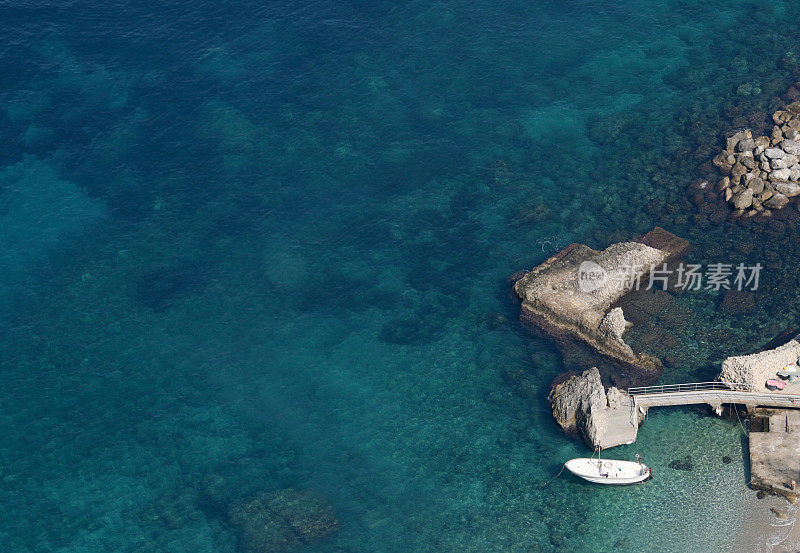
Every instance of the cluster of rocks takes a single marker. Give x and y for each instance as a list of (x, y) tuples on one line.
[(555, 301), (774, 437), (762, 174)]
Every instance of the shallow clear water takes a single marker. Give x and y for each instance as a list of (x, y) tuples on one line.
[(270, 242)]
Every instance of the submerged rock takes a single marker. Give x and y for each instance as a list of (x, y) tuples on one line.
[(682, 464), (277, 521), (570, 297), (737, 302)]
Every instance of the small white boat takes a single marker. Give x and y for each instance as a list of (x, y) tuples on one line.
[(609, 471)]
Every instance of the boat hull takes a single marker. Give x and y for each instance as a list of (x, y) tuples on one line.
[(609, 471)]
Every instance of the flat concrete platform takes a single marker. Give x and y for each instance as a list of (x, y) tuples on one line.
[(775, 455), (784, 420), (623, 426)]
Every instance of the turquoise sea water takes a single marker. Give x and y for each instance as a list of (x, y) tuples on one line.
[(270, 242)]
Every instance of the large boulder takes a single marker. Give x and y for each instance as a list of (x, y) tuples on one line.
[(582, 406), (575, 397), (774, 153), (277, 521), (791, 147), (780, 175), (743, 199), (776, 201), (788, 189), (570, 297), (613, 324)]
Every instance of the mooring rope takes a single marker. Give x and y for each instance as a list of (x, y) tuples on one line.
[(596, 451), (736, 410), (554, 477)]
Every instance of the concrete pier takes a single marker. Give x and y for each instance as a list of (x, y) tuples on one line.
[(775, 452), (623, 425)]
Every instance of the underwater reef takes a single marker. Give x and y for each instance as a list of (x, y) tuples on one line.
[(281, 520)]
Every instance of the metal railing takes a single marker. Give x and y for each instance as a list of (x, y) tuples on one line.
[(690, 387), (707, 392)]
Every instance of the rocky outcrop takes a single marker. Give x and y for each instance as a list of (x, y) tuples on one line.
[(575, 397), (582, 406), (613, 325), (762, 174), (757, 368), (277, 521), (570, 297)]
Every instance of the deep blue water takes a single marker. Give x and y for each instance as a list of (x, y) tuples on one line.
[(268, 242)]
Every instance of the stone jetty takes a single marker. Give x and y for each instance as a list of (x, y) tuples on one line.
[(774, 437), (775, 450)]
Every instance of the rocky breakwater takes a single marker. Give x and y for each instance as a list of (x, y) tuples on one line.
[(582, 406), (761, 174), (558, 300)]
